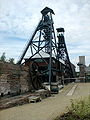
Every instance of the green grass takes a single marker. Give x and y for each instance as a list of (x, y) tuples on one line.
[(79, 110)]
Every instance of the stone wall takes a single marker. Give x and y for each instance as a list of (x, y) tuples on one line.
[(14, 79)]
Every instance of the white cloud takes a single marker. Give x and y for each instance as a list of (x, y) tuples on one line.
[(19, 18)]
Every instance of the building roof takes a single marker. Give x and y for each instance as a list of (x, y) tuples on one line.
[(46, 55), (46, 10)]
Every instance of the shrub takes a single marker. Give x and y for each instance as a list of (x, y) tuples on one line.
[(79, 110)]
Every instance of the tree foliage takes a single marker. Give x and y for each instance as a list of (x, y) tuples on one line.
[(11, 60), (3, 57)]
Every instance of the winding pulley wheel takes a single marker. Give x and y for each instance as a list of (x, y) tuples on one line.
[(35, 75)]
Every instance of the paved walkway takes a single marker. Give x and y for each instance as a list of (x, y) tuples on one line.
[(48, 108)]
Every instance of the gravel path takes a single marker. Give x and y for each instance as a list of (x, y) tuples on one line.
[(48, 108)]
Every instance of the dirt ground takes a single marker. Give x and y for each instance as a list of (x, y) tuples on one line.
[(48, 108)]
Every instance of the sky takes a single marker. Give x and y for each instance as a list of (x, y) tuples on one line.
[(18, 19)]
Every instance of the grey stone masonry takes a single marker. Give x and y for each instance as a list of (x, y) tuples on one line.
[(14, 79)]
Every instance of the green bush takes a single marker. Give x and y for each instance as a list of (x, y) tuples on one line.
[(79, 110)]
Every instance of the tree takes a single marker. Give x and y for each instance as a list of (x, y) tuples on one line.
[(3, 57), (11, 60)]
